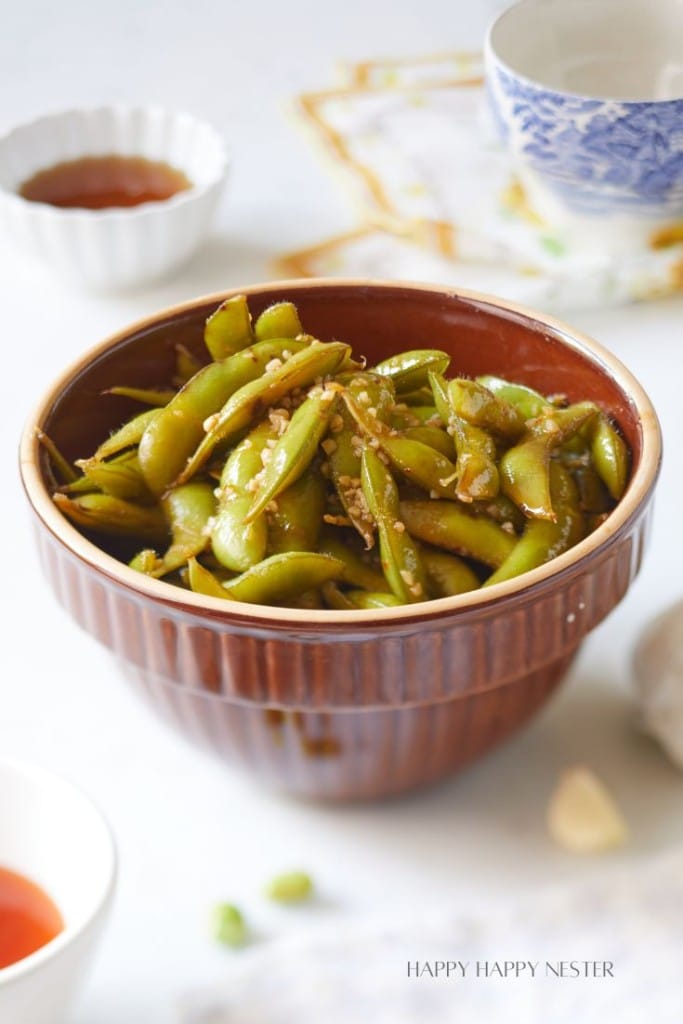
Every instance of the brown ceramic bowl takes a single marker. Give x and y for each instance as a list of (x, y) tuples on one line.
[(349, 705)]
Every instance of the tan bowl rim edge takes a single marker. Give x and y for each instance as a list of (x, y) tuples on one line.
[(639, 487)]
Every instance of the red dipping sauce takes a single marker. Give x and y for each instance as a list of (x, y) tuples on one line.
[(28, 918)]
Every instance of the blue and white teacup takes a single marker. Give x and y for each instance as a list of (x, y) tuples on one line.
[(588, 98)]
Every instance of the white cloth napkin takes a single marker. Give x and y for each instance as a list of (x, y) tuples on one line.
[(357, 971), (439, 201)]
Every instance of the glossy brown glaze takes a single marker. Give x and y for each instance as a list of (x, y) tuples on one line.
[(365, 704)]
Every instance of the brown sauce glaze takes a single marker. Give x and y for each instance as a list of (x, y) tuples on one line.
[(102, 182)]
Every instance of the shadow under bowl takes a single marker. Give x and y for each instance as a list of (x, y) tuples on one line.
[(349, 705)]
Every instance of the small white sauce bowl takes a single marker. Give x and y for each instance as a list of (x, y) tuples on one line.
[(588, 96), (115, 248), (51, 833)]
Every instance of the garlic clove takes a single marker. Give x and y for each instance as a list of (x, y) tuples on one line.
[(658, 672), (582, 816)]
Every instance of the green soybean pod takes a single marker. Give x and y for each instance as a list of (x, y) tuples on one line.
[(248, 402), (282, 577), (121, 477), (529, 403), (238, 546), (400, 558), (410, 370), (294, 451), (357, 572), (228, 329), (176, 431), (295, 523), (114, 516), (447, 574), (281, 320), (610, 457), (445, 524), (545, 539)]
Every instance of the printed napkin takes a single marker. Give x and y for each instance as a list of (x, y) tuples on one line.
[(439, 202)]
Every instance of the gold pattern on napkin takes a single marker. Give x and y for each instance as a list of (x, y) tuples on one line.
[(437, 200)]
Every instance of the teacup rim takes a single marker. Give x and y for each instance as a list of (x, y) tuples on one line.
[(491, 55)]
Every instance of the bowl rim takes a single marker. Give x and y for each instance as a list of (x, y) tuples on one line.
[(492, 54), (154, 206), (71, 933), (639, 488)]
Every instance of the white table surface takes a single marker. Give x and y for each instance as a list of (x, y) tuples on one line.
[(189, 832)]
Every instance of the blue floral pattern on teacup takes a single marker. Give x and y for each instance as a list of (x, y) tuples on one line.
[(598, 155)]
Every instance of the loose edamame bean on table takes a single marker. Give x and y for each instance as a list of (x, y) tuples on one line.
[(281, 469)]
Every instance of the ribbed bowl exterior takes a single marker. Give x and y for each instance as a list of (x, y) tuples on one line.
[(114, 248), (349, 713), (354, 705)]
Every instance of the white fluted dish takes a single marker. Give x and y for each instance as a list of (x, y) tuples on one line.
[(114, 248), (53, 834)]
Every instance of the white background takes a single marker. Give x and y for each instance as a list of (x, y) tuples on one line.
[(189, 832)]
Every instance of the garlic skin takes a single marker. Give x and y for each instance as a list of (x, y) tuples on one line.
[(658, 673), (582, 816)]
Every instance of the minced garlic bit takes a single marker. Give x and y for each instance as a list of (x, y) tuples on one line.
[(508, 527), (336, 520), (273, 365), (286, 354), (408, 577), (336, 423), (266, 456), (399, 526), (364, 398), (329, 446), (210, 422), (416, 590), (279, 420)]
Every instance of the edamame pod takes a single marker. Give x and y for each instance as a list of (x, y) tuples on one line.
[(281, 320), (545, 539), (275, 579), (228, 329), (401, 562), (173, 435), (295, 523), (409, 370), (445, 524), (252, 399), (610, 457), (238, 546), (105, 514), (293, 452)]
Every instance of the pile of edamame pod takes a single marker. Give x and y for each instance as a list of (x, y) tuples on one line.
[(287, 472)]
